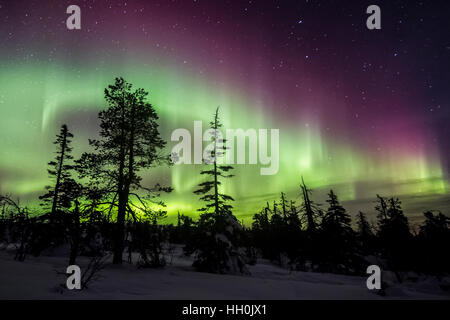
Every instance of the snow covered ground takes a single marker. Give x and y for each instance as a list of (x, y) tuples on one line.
[(36, 278)]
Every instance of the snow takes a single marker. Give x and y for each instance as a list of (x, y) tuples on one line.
[(36, 278)]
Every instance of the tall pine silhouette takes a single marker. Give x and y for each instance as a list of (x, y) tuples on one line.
[(216, 245), (130, 142), (336, 218), (309, 209), (337, 236), (60, 195), (209, 189), (394, 235)]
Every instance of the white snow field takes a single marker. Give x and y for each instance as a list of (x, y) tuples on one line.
[(36, 278)]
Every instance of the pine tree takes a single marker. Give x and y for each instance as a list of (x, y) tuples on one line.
[(261, 231), (291, 231), (279, 235), (364, 228), (433, 241), (337, 237), (210, 189), (381, 207), (293, 219), (261, 219), (435, 226), (283, 205), (366, 236), (219, 232), (130, 142), (394, 235), (336, 218), (392, 223), (309, 209), (61, 195)]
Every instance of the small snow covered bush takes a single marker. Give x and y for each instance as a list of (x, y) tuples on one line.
[(216, 245)]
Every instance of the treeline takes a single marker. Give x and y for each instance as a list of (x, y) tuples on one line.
[(96, 195), (98, 206), (312, 238)]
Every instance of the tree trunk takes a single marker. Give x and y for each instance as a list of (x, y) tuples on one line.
[(308, 209), (75, 236), (120, 228), (216, 191), (123, 198), (123, 201), (58, 178)]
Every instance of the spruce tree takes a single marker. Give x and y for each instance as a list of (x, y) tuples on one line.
[(394, 235), (337, 236), (435, 225), (129, 143), (433, 240), (366, 237), (293, 220), (211, 195), (364, 228), (216, 245), (336, 217), (61, 194), (392, 223), (309, 209)]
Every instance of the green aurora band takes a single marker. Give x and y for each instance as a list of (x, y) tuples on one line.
[(37, 97)]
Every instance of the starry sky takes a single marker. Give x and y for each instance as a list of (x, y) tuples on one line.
[(360, 111)]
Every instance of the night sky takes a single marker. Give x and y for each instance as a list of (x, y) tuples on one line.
[(361, 111)]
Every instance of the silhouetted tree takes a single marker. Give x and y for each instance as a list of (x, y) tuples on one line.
[(184, 230), (394, 235), (392, 223), (277, 249), (433, 242), (287, 226), (148, 238), (293, 220), (283, 205), (336, 217), (74, 233), (210, 189), (365, 234), (364, 228), (337, 236), (435, 226), (277, 234), (261, 232), (130, 141), (309, 209), (216, 244), (65, 189)]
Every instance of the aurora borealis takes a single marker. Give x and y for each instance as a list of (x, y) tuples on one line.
[(361, 111)]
